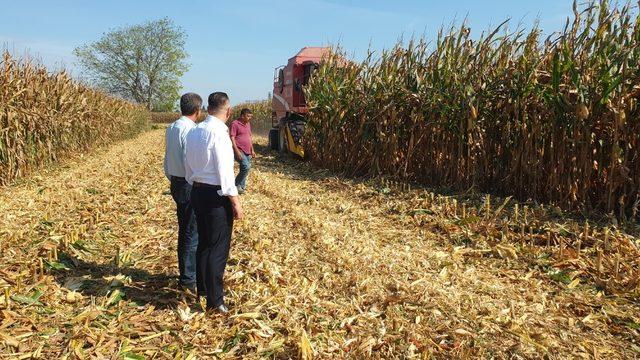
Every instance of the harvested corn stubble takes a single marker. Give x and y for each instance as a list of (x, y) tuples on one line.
[(370, 278)]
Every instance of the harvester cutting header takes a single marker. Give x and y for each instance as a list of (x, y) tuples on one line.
[(289, 107)]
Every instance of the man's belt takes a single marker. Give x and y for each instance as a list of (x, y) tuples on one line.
[(203, 185), (177, 178)]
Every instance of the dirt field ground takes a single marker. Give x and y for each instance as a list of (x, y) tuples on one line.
[(321, 267)]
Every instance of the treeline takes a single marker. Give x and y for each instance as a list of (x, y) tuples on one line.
[(45, 116), (261, 109), (553, 120), (164, 117)]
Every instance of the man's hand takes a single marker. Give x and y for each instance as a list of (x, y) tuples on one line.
[(253, 154), (238, 213), (236, 150)]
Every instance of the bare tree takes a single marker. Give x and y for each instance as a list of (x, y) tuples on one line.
[(142, 63)]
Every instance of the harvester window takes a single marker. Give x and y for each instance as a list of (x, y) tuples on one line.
[(306, 73)]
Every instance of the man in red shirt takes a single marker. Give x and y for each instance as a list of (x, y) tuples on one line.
[(242, 147)]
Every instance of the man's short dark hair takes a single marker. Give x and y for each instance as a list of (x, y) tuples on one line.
[(217, 101), (190, 103), (245, 111)]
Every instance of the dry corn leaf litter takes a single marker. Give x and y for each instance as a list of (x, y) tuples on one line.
[(321, 268)]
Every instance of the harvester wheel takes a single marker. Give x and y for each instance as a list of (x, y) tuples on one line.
[(274, 139)]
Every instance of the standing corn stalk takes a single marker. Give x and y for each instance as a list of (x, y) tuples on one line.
[(44, 116), (555, 120)]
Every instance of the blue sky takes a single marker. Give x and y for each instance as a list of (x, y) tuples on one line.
[(235, 45)]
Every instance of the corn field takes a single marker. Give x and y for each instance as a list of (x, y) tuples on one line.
[(45, 116), (554, 120), (261, 122), (164, 117)]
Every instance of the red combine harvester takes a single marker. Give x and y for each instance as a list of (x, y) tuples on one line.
[(289, 107)]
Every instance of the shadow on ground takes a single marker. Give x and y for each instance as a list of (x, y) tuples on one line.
[(114, 283)]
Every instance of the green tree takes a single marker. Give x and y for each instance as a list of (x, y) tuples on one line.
[(142, 63)]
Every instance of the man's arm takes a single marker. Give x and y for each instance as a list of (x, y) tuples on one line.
[(238, 213), (188, 172), (236, 150), (166, 154), (233, 133), (224, 156)]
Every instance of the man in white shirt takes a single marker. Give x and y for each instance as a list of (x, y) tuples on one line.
[(174, 169), (209, 168)]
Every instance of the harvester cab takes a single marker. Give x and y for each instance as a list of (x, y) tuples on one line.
[(289, 107)]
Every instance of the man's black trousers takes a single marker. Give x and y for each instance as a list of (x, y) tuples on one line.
[(187, 231), (214, 216)]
